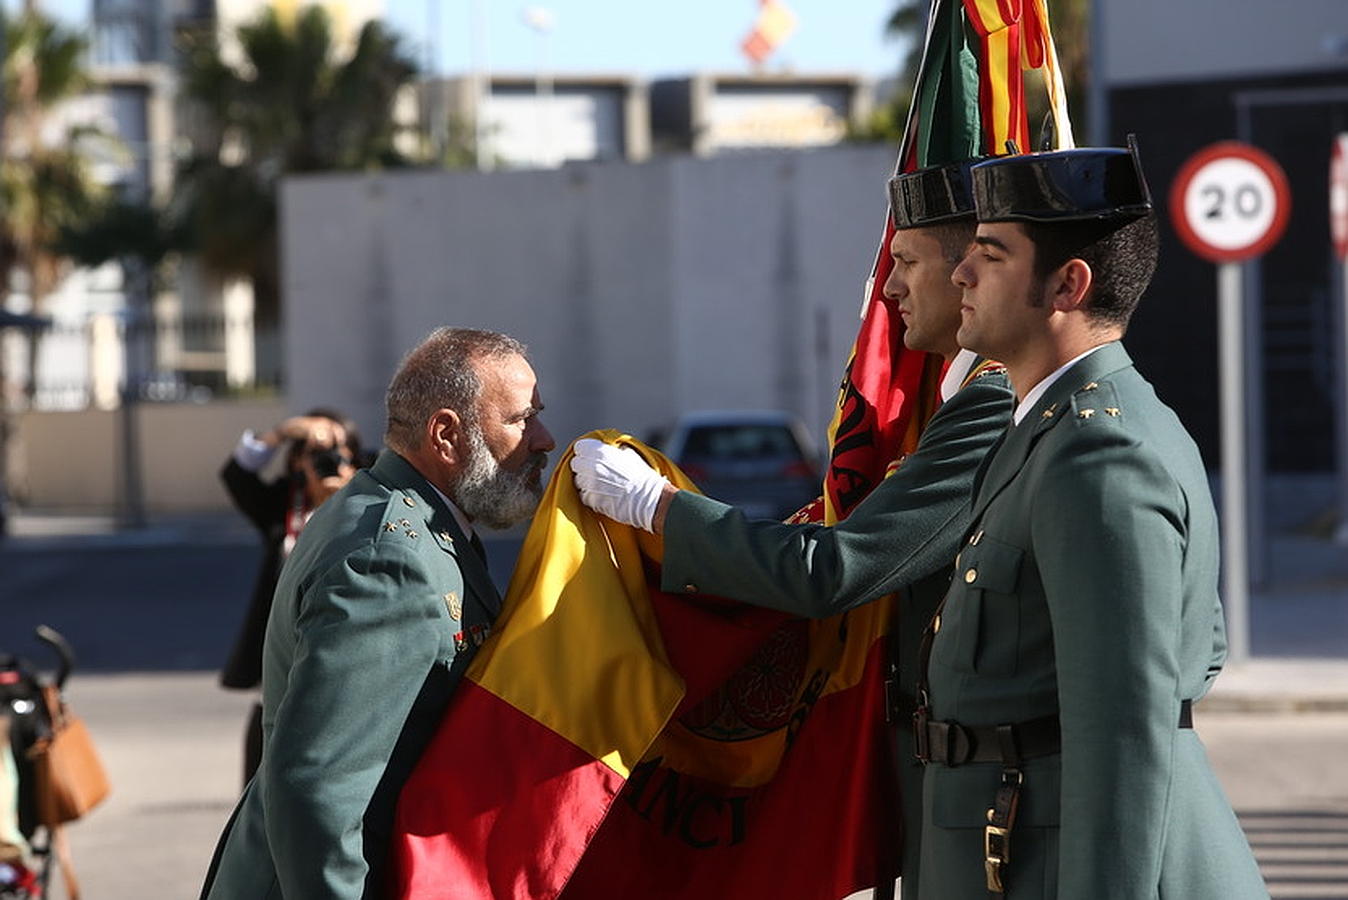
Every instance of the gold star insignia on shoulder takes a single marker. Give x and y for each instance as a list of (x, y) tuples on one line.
[(405, 523), (412, 534), (1085, 413), (390, 526), (1091, 386), (1112, 411)]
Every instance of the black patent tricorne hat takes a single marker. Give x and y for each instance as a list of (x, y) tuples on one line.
[(931, 195), (1097, 183)]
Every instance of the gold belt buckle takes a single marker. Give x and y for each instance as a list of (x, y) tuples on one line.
[(996, 854)]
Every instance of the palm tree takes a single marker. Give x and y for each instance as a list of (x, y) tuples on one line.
[(43, 187), (288, 106)]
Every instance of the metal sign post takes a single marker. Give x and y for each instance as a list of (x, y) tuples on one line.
[(1230, 203)]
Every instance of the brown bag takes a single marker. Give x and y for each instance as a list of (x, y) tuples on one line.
[(68, 779)]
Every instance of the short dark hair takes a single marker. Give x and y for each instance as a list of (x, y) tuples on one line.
[(1122, 260), (441, 373), (954, 236)]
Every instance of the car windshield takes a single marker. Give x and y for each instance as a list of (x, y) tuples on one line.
[(743, 442)]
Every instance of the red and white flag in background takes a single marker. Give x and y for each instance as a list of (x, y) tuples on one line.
[(774, 25)]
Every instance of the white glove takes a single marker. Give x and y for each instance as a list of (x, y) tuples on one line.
[(617, 482)]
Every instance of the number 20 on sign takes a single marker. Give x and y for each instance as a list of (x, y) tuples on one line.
[(1230, 202)]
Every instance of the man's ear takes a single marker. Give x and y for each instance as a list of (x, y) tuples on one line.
[(1069, 286), (445, 437)]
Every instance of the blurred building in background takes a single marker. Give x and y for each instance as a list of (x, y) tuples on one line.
[(708, 113), (541, 120)]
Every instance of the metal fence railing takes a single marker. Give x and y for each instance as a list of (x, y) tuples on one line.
[(94, 362)]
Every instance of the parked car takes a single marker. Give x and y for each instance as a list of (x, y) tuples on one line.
[(762, 461)]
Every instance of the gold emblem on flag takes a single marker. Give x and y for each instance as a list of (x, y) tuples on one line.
[(455, 605)]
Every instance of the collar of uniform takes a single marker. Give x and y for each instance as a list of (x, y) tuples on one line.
[(1039, 390), (1009, 456), (958, 371), (465, 525), (1097, 363), (399, 474)]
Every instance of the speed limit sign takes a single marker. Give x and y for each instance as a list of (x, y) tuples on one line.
[(1230, 202)]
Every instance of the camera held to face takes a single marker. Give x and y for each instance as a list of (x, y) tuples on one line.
[(326, 462)]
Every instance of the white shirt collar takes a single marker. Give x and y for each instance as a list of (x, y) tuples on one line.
[(1032, 397), (464, 524), (958, 371)]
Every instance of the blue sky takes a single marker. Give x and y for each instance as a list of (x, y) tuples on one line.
[(635, 36), (649, 39)]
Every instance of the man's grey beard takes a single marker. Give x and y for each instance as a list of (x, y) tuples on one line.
[(493, 496)]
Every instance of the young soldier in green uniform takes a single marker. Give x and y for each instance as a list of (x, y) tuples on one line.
[(378, 611), (903, 536), (1083, 619)]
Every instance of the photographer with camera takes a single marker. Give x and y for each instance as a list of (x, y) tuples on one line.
[(322, 453)]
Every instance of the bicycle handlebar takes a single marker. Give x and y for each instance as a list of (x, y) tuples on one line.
[(52, 638)]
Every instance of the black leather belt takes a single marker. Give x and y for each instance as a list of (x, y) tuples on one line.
[(953, 744)]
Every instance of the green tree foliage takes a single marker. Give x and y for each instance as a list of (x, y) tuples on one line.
[(1070, 21), (44, 186), (277, 100)]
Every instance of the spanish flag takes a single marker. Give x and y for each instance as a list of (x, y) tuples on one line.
[(614, 741)]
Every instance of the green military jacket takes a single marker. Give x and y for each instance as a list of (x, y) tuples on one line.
[(901, 538), (376, 615), (1087, 589)]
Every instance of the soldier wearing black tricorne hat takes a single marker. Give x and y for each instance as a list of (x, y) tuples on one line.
[(1083, 622)]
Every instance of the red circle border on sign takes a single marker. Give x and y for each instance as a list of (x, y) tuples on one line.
[(1281, 192), (1338, 166)]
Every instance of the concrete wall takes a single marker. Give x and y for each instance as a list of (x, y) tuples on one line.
[(643, 290), (71, 461)]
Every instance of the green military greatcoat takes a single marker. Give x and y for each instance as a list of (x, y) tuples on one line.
[(901, 538), (1087, 590), (376, 615)]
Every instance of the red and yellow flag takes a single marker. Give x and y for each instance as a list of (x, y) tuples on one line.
[(631, 744)]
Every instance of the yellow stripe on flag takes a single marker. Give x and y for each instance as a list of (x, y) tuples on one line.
[(999, 50), (579, 605), (988, 16)]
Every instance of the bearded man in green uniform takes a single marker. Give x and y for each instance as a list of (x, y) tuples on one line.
[(1083, 620), (378, 611), (899, 539)]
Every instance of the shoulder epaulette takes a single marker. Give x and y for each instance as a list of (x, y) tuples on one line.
[(1094, 401), (982, 368), (395, 519)]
